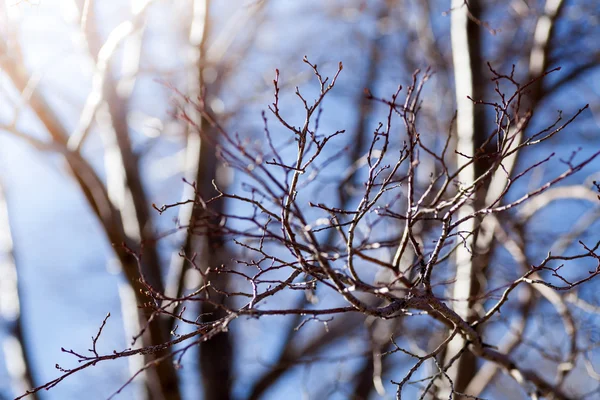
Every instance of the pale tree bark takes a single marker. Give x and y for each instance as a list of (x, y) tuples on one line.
[(116, 182), (197, 37), (470, 127), (133, 203)]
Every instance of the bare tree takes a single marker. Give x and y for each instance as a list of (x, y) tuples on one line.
[(408, 236), (280, 243)]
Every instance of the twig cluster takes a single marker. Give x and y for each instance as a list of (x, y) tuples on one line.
[(387, 253)]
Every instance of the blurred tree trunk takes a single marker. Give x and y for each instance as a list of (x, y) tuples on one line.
[(17, 358), (485, 240), (469, 81), (206, 248), (134, 206), (473, 258)]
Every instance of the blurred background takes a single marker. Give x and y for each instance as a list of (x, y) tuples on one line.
[(90, 139)]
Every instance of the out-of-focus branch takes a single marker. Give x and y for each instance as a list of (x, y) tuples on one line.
[(104, 89), (291, 355), (370, 375), (486, 373), (524, 376), (537, 203), (193, 161), (538, 63), (91, 185), (103, 54), (571, 76)]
